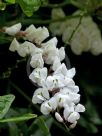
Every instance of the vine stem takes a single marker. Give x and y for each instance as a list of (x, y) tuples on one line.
[(80, 20), (8, 72), (40, 21), (57, 5)]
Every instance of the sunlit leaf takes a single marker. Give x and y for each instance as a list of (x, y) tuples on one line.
[(29, 6), (10, 1), (20, 118), (5, 103), (2, 6)]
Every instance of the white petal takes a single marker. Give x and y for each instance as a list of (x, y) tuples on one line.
[(37, 61), (14, 45), (79, 108), (74, 97), (36, 100), (71, 73), (62, 100), (58, 117), (62, 70), (13, 29), (74, 89), (74, 116), (67, 111), (29, 29), (61, 53), (56, 64), (68, 82), (51, 42), (37, 96), (53, 103)]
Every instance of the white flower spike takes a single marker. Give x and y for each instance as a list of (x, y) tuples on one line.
[(57, 92)]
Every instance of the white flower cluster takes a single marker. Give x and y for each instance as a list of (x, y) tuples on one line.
[(87, 37), (57, 91)]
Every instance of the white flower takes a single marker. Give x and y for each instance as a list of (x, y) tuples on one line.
[(62, 70), (57, 13), (37, 61), (25, 49), (96, 47), (48, 106), (51, 42), (53, 82), (40, 95), (79, 108), (49, 53), (74, 116), (37, 35), (45, 108), (69, 108), (62, 100), (58, 117), (56, 28), (13, 30), (14, 45), (39, 75)]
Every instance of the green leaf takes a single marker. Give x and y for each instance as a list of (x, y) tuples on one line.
[(20, 118), (10, 1), (5, 103), (90, 127), (92, 113), (29, 6), (41, 123), (13, 129)]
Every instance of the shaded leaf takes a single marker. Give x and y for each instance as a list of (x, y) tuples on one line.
[(20, 118), (13, 129), (5, 103), (90, 127), (92, 113), (42, 124)]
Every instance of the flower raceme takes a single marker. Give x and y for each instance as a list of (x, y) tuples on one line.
[(57, 91)]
